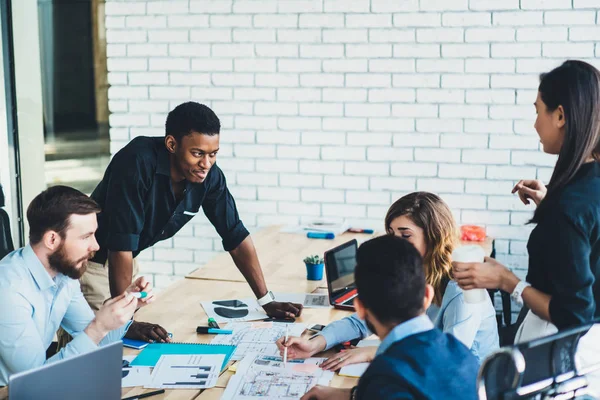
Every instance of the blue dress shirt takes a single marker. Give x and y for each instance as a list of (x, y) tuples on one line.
[(32, 307), (473, 324), (411, 327)]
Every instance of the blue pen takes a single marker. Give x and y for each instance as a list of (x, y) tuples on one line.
[(206, 329), (320, 235)]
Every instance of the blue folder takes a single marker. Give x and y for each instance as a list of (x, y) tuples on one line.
[(151, 353)]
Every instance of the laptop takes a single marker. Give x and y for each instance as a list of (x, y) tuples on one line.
[(91, 376), (339, 268)]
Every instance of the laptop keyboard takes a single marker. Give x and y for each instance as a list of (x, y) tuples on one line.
[(350, 300)]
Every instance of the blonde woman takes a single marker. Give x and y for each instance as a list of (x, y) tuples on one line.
[(424, 220)]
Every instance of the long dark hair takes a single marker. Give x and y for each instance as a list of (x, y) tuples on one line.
[(575, 85)]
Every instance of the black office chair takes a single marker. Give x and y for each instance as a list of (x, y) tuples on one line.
[(543, 367), (507, 330), (6, 243)]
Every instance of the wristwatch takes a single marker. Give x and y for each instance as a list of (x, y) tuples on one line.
[(517, 294), (353, 393), (266, 299)]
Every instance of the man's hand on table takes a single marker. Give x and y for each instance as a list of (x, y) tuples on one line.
[(283, 310), (324, 392), (147, 332)]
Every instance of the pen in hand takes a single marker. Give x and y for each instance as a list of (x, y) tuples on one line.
[(285, 349)]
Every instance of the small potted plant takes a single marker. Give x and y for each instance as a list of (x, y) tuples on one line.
[(314, 267)]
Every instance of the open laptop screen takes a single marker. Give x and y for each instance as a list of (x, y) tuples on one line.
[(91, 376), (340, 262)]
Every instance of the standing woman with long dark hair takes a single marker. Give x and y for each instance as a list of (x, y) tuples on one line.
[(563, 280)]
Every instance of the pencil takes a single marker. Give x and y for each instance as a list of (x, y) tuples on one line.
[(285, 349)]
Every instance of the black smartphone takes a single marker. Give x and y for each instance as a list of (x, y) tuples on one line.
[(316, 328)]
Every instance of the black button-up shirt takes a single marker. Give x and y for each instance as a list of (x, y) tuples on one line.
[(139, 207)]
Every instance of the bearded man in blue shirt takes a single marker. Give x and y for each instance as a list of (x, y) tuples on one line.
[(40, 291)]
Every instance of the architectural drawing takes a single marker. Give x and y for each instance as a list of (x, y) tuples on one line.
[(263, 377), (257, 337)]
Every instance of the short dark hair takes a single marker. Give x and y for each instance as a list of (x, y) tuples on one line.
[(51, 209), (192, 117), (390, 279)]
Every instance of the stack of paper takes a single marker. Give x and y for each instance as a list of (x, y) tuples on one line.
[(177, 371), (134, 376)]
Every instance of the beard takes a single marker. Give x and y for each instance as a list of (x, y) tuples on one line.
[(61, 263)]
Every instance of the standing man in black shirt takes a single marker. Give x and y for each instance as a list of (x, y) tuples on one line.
[(152, 188)]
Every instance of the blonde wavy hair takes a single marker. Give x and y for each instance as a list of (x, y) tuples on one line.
[(430, 213)]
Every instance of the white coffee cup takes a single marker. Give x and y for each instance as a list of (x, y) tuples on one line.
[(467, 254)]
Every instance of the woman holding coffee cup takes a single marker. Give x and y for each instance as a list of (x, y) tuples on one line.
[(563, 280), (424, 220)]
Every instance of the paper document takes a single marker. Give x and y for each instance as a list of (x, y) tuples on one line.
[(266, 378), (234, 310), (336, 227), (308, 300), (356, 370), (134, 376), (256, 337), (178, 371)]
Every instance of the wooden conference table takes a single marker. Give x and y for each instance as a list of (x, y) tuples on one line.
[(178, 308), (281, 256)]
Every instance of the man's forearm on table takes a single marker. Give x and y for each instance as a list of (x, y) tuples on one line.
[(120, 271), (245, 258)]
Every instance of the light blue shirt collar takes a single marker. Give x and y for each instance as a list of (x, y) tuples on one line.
[(41, 277), (413, 326)]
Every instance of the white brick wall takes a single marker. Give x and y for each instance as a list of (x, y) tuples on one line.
[(338, 107)]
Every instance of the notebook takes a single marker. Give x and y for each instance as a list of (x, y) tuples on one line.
[(138, 344), (134, 344), (151, 353), (356, 370)]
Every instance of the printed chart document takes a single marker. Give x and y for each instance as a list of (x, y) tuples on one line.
[(134, 376), (236, 310), (256, 337), (265, 378), (177, 371), (356, 370)]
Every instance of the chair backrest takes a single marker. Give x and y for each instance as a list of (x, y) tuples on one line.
[(6, 243), (507, 330), (539, 366)]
